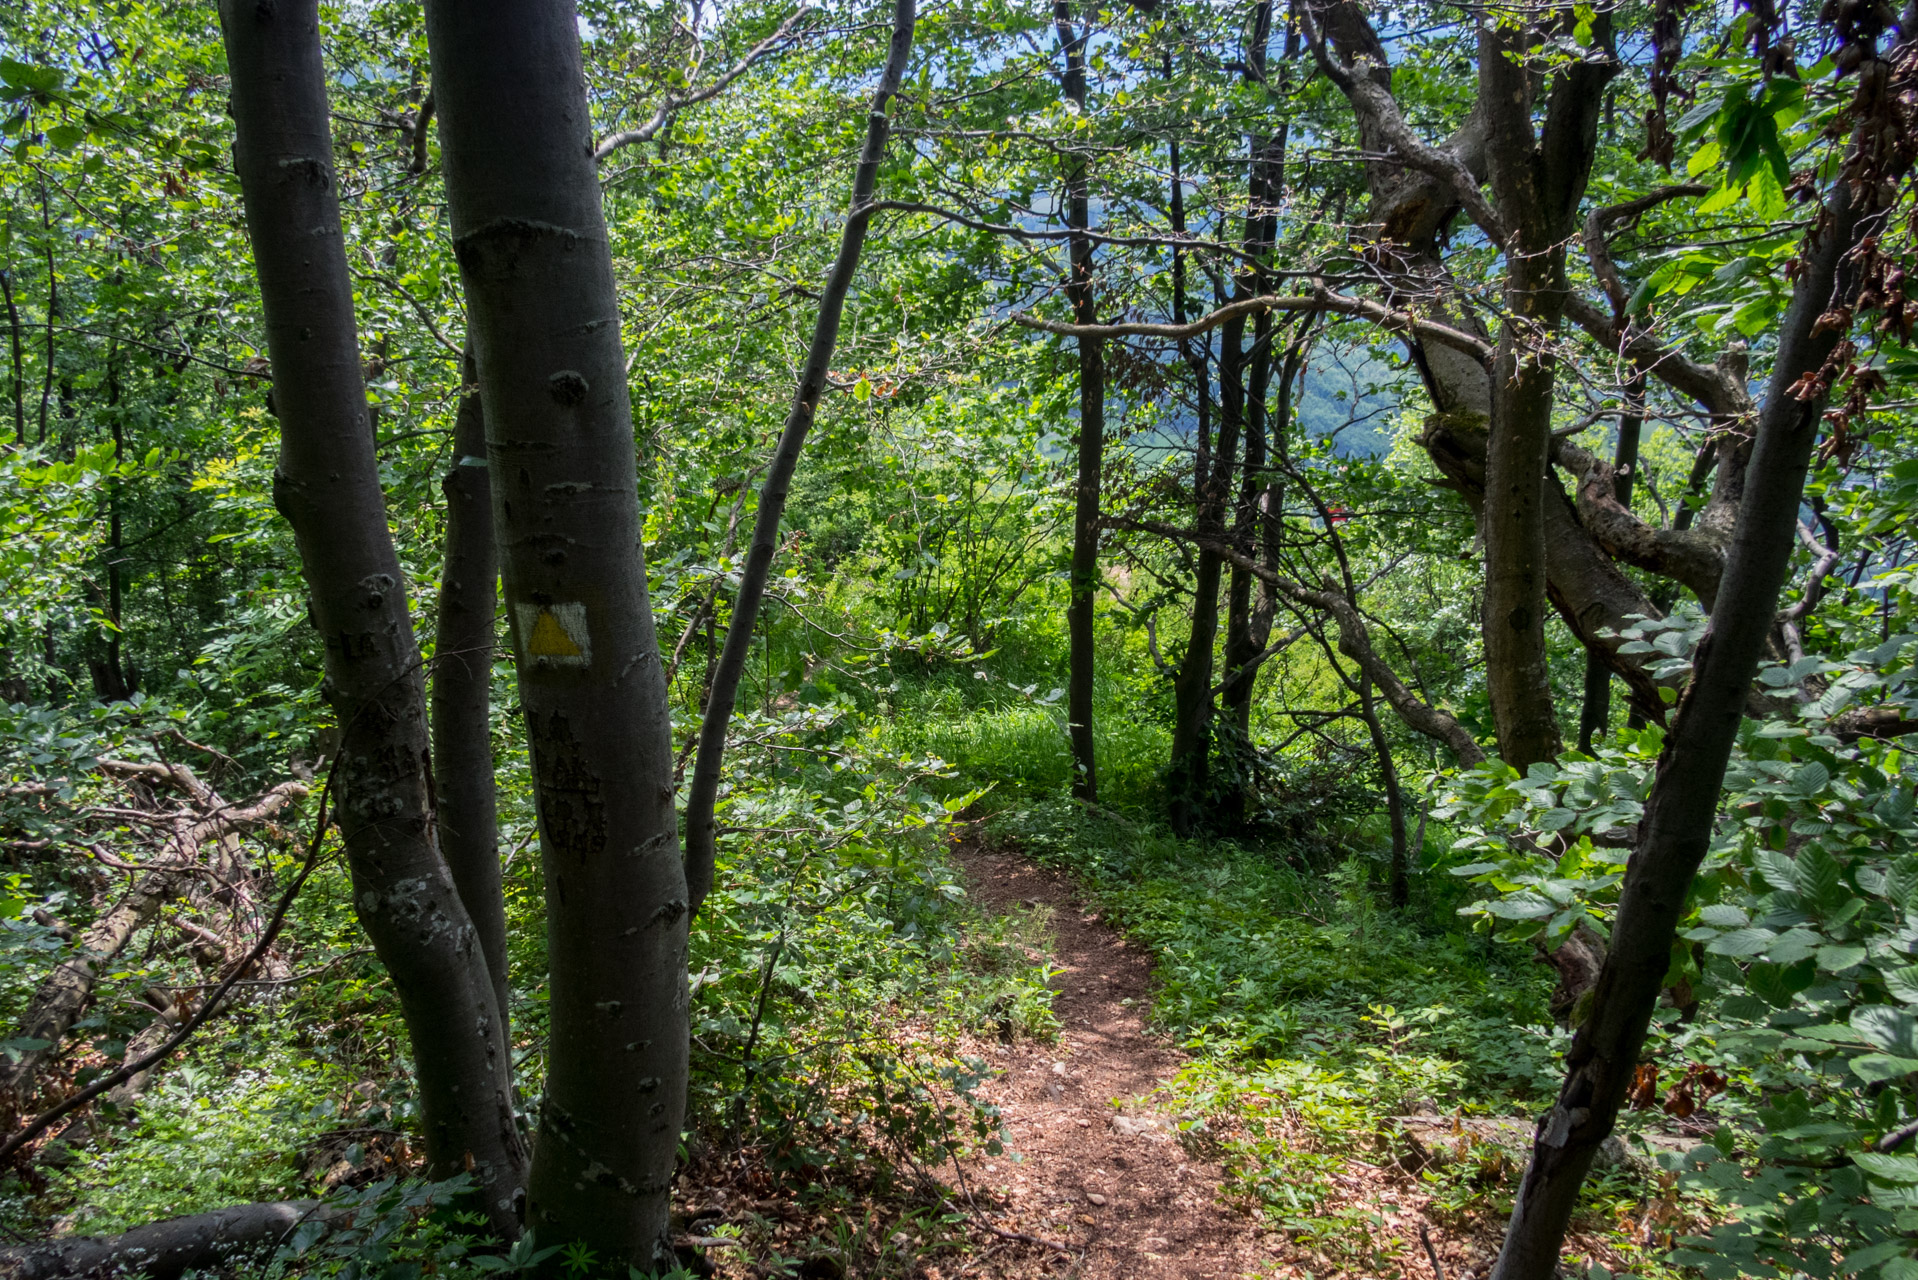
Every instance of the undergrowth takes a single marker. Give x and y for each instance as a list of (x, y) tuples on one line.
[(1316, 1014)]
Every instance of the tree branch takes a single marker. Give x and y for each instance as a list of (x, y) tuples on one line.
[(1355, 641), (674, 103), (1375, 105), (1599, 222), (702, 835), (1337, 303)]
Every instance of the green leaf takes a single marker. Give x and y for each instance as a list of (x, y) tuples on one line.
[(1819, 878), (1742, 942), (1811, 778), (1556, 819), (1903, 983), (1893, 1030), (1875, 1068), (1887, 1168), (1521, 906), (28, 78), (1724, 916), (1837, 959), (1776, 869), (1776, 984)]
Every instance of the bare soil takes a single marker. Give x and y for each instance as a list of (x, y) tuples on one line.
[(1091, 1163), (1094, 1167)]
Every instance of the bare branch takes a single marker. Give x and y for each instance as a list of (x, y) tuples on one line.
[(674, 103), (1375, 105), (1599, 222), (1355, 640), (1337, 303)]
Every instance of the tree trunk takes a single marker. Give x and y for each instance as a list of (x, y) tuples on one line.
[(463, 691), (328, 487), (1400, 880), (1084, 576), (702, 832), (1188, 772), (1595, 710), (1676, 831), (543, 311), (19, 359), (1538, 180)]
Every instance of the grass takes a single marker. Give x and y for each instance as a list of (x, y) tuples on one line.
[(1313, 1011)]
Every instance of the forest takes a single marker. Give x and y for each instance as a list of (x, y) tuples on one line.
[(958, 638)]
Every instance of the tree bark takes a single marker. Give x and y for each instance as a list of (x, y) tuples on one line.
[(1595, 708), (1243, 639), (165, 1250), (702, 832), (1538, 180), (1188, 774), (543, 311), (463, 690), (1084, 574), (19, 359), (327, 485), (1675, 833), (1399, 882)]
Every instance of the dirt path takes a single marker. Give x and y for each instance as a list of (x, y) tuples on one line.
[(1111, 1181)]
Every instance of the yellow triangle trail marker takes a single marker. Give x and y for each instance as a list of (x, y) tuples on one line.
[(555, 635)]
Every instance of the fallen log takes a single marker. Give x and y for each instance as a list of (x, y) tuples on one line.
[(163, 1250)]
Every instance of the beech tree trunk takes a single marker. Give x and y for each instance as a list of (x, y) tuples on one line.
[(1084, 575), (543, 315), (702, 832), (463, 690), (327, 485), (1675, 833)]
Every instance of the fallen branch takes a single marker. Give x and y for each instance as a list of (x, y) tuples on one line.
[(1023, 1238), (164, 1250), (213, 1004), (65, 992), (1425, 1238)]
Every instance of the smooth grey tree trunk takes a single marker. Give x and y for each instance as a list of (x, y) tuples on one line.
[(327, 485), (463, 690), (543, 314), (702, 831)]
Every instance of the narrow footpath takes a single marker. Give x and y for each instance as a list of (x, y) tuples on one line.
[(1110, 1182)]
